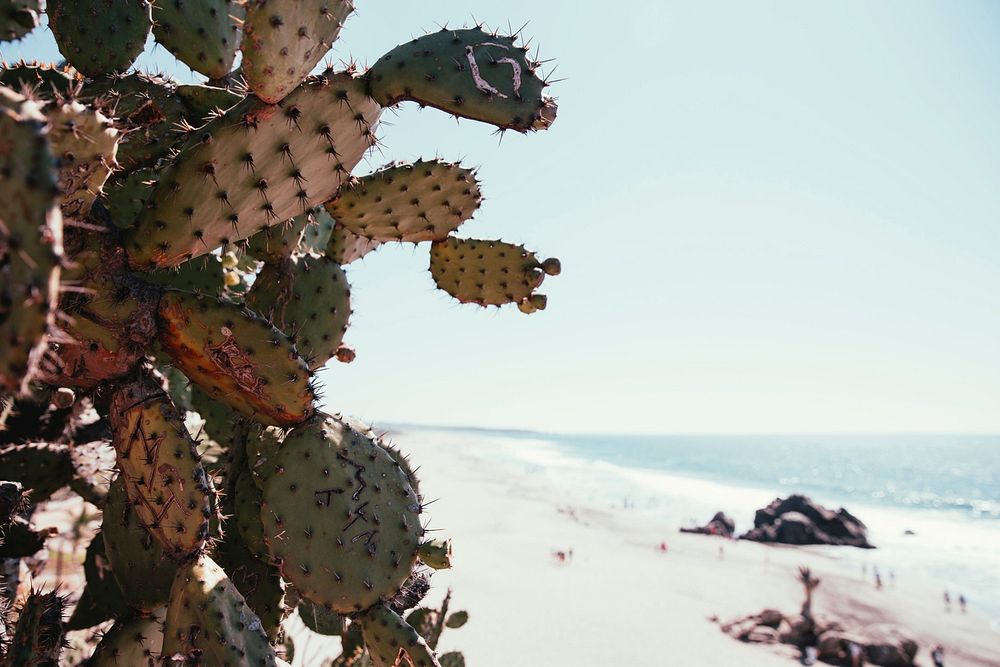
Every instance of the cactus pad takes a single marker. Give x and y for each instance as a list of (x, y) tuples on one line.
[(30, 240), (135, 641), (309, 297), (38, 635), (209, 623), (202, 275), (284, 39), (340, 516), (102, 598), (163, 475), (86, 144), (237, 358), (44, 79), (470, 73), (18, 18), (392, 641), (42, 468), (423, 201), (436, 554), (490, 273), (253, 167), (345, 246), (100, 36), (203, 34), (143, 571)]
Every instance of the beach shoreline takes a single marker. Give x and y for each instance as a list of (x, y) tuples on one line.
[(618, 599)]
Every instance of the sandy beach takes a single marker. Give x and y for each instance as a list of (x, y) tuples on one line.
[(619, 601)]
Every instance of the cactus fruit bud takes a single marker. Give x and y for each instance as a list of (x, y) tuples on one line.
[(533, 304), (63, 398), (552, 266), (436, 554)]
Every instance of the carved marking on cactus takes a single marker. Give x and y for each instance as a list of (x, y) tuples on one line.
[(233, 361), (481, 83), (319, 494), (170, 473), (359, 471), (355, 515)]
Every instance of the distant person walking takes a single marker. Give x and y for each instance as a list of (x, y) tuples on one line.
[(947, 601), (962, 601), (937, 655)]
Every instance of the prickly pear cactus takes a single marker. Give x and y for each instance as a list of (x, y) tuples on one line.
[(174, 275)]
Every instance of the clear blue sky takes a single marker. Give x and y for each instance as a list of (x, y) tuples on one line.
[(772, 217)]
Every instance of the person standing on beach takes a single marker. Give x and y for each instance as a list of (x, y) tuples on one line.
[(937, 655), (961, 601), (857, 656), (947, 601)]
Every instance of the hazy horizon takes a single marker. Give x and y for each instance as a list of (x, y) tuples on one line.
[(777, 218)]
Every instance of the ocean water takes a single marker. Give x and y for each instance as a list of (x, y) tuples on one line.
[(931, 502)]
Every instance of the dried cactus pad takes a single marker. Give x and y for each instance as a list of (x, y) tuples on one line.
[(164, 478), (99, 37), (284, 39), (255, 166), (490, 273), (341, 516), (470, 73), (237, 358), (423, 201)]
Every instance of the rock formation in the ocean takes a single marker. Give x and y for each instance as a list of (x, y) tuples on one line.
[(798, 520), (720, 525)]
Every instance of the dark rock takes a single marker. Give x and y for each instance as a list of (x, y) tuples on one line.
[(798, 520), (720, 525)]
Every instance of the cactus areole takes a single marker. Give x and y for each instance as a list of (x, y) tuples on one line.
[(173, 275)]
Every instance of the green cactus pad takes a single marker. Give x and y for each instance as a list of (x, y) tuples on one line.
[(30, 240), (126, 195), (102, 598), (392, 641), (257, 580), (203, 34), (345, 246), (202, 275), (284, 39), (219, 417), (206, 100), (133, 641), (340, 516), (308, 297), (320, 620), (209, 623), (45, 79), (470, 73), (262, 450), (163, 475), (100, 37), (42, 468), (255, 166), (246, 515), (143, 571), (423, 201), (306, 233), (237, 358), (38, 636), (18, 18), (490, 273), (20, 539), (86, 144), (93, 463)]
